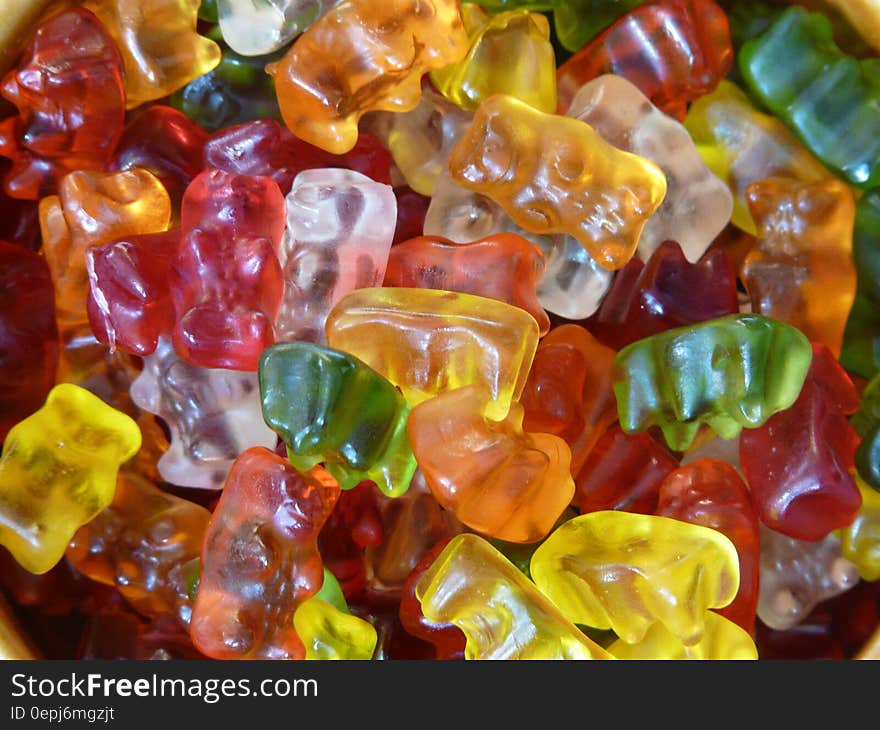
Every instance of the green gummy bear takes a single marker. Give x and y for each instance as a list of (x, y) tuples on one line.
[(577, 22), (328, 406), (238, 90), (861, 338), (829, 99), (730, 373), (866, 422)]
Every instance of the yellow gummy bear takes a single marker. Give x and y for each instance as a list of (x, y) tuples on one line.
[(160, 47), (329, 633), (428, 341), (625, 571), (502, 614), (555, 174), (58, 471), (741, 145), (510, 53), (860, 541), (722, 639)]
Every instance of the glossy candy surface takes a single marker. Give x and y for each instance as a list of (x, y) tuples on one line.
[(495, 478), (340, 225), (626, 572), (502, 613), (260, 559), (554, 174), (697, 204), (801, 269), (505, 267), (711, 493), (161, 50), (806, 490), (212, 415), (510, 53), (330, 77), (732, 372), (673, 50), (430, 329), (146, 542), (58, 471), (743, 145), (407, 334), (71, 104), (329, 407), (828, 98)]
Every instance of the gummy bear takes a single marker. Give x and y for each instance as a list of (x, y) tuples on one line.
[(497, 479), (212, 414), (796, 576), (340, 225), (144, 543), (829, 99), (226, 280), (160, 47), (673, 50), (627, 571), (58, 471), (573, 283), (407, 336), (731, 372), (330, 408), (71, 104), (806, 490), (568, 392), (742, 145), (697, 204), (257, 28), (129, 304), (260, 559), (801, 270), (666, 292), (91, 209), (554, 174), (510, 53), (361, 56), (502, 613), (28, 334)]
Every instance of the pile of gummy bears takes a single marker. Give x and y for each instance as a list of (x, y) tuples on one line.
[(420, 329)]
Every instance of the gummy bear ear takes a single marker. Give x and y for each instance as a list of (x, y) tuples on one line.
[(763, 197), (820, 202)]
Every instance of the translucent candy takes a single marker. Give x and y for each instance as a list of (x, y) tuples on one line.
[(340, 225), (797, 575), (213, 415), (58, 471), (502, 613), (407, 335), (626, 572), (697, 204)]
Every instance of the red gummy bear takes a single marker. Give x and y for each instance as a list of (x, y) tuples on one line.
[(798, 464), (71, 104), (674, 51), (260, 558)]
